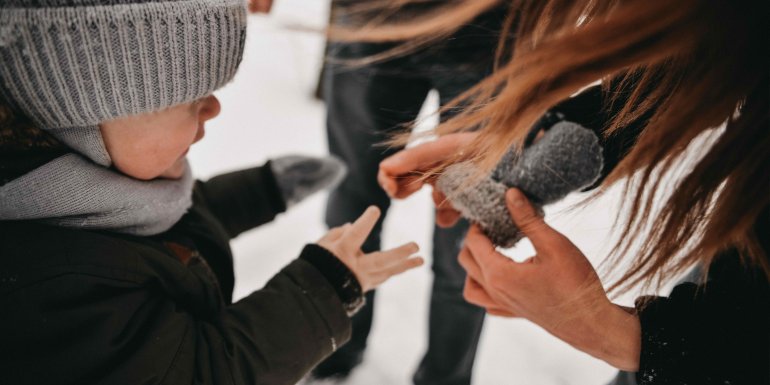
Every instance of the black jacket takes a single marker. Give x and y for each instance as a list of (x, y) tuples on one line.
[(717, 332), (89, 307)]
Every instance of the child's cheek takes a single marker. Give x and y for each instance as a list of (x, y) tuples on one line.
[(176, 170)]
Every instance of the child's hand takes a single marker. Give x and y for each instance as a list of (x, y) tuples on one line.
[(374, 268)]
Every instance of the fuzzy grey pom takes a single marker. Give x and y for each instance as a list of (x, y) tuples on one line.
[(482, 203), (566, 159)]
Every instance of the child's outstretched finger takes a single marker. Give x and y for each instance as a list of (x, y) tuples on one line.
[(402, 266), (357, 233), (386, 258), (334, 234)]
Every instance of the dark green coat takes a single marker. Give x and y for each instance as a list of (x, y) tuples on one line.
[(86, 307)]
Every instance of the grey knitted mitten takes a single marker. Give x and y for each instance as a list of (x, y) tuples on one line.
[(301, 176), (567, 158)]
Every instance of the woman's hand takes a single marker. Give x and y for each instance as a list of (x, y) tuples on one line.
[(400, 174), (374, 268), (557, 289), (260, 6)]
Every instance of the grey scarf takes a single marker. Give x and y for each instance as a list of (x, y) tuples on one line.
[(71, 191)]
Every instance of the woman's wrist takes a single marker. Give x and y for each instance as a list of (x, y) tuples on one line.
[(612, 335)]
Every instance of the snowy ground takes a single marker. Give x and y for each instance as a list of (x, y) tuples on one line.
[(268, 111)]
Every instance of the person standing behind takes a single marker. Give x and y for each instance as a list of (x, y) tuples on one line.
[(365, 105)]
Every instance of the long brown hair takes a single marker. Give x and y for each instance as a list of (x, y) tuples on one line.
[(689, 66)]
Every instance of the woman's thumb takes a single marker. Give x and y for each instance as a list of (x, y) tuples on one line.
[(526, 217)]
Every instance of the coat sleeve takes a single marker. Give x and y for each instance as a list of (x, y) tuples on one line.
[(713, 332), (708, 334), (274, 336), (97, 325), (243, 200)]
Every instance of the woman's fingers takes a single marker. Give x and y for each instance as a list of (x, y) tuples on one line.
[(469, 264), (398, 171), (408, 185), (529, 221), (446, 215), (501, 312), (485, 255), (475, 293)]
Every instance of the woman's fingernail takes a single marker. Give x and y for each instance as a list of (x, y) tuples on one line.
[(514, 198), (389, 160)]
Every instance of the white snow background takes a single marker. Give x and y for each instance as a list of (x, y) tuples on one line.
[(268, 111)]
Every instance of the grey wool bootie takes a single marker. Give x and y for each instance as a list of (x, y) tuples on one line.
[(300, 176), (566, 159)]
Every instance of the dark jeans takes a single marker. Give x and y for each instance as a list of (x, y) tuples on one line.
[(365, 105)]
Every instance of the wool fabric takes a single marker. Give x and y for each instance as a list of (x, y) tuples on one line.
[(566, 159), (74, 192)]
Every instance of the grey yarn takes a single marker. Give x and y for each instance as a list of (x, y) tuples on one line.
[(300, 176), (73, 192), (567, 158), (70, 64)]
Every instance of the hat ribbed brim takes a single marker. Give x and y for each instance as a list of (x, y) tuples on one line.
[(74, 66)]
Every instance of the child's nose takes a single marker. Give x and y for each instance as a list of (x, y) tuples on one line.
[(210, 108)]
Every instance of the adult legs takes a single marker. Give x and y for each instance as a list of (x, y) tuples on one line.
[(364, 105), (454, 324)]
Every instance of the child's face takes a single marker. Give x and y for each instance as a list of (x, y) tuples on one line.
[(154, 145)]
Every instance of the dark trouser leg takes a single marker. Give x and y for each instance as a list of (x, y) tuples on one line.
[(454, 325), (364, 105)]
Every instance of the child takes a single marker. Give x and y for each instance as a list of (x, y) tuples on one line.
[(114, 264)]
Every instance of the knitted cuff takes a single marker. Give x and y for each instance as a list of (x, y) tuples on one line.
[(339, 276)]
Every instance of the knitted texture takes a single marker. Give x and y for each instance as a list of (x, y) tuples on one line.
[(77, 63), (70, 191), (567, 158), (300, 176)]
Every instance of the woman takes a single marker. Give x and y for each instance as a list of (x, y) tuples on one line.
[(671, 72)]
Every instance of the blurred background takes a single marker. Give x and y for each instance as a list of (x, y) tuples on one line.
[(270, 110)]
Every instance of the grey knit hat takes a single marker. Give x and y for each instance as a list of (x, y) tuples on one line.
[(72, 64)]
